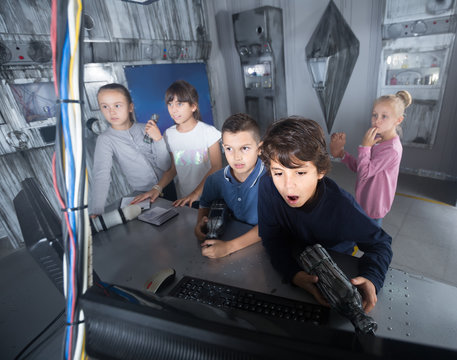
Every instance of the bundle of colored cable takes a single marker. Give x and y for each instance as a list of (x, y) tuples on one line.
[(69, 167)]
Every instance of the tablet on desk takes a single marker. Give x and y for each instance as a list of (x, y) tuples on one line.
[(158, 215)]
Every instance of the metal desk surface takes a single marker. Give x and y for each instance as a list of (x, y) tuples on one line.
[(410, 308)]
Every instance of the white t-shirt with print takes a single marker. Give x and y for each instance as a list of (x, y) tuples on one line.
[(191, 154)]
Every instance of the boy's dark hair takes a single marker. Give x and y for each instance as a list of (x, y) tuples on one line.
[(295, 138), (241, 122), (122, 89), (184, 92)]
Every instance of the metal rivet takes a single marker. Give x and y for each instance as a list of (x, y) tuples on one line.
[(406, 295), (390, 299), (406, 312), (407, 323), (390, 290), (407, 303), (406, 288), (408, 334), (390, 317), (389, 328), (390, 307)]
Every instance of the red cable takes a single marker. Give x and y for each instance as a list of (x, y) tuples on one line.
[(62, 204)]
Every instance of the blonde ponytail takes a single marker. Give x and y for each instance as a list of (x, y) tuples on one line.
[(405, 97)]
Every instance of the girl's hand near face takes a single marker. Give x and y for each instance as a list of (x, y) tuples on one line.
[(153, 130), (337, 142), (370, 137)]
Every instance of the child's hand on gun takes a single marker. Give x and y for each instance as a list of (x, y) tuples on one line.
[(371, 137), (368, 292), (153, 130), (308, 282), (215, 248), (337, 142), (201, 229)]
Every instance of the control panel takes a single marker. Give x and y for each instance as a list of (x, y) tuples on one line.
[(24, 52), (259, 42), (420, 27)]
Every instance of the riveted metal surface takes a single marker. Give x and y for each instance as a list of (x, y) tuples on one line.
[(417, 309)]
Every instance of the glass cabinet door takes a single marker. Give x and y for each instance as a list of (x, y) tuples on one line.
[(413, 68), (419, 65)]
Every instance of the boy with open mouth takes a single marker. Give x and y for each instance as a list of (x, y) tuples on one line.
[(299, 206)]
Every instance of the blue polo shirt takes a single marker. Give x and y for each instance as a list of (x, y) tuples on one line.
[(240, 197)]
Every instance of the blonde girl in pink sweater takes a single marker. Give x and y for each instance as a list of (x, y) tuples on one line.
[(379, 155)]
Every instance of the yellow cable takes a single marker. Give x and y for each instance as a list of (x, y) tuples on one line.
[(83, 352), (78, 25)]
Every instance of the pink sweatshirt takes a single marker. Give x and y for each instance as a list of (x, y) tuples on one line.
[(377, 170)]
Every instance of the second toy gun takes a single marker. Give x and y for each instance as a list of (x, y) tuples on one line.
[(336, 288), (217, 218)]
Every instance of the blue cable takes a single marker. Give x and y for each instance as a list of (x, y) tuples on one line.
[(70, 164), (120, 292), (66, 130)]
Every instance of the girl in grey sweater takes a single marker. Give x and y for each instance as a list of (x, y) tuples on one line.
[(142, 163)]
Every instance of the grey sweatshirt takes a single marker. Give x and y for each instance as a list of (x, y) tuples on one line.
[(142, 164)]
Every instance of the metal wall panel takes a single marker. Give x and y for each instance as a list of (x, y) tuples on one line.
[(116, 34), (25, 17)]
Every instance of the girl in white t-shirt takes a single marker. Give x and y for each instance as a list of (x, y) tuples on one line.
[(193, 145)]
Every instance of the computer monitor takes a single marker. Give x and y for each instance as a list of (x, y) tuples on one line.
[(123, 323), (36, 100), (41, 229)]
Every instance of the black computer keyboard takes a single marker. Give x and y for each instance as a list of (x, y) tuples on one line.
[(230, 297)]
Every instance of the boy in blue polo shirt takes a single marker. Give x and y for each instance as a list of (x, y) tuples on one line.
[(237, 184)]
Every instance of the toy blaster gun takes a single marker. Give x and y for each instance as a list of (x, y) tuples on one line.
[(216, 219), (336, 288)]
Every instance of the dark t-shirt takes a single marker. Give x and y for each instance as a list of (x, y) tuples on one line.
[(333, 219)]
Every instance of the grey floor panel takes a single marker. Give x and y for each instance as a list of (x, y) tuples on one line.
[(424, 233)]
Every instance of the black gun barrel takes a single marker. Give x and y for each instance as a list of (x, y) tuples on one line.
[(336, 288)]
